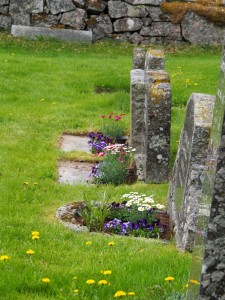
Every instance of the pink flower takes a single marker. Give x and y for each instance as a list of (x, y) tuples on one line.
[(120, 159), (101, 154), (102, 116), (117, 118)]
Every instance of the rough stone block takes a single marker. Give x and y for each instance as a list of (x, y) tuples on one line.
[(100, 26), (147, 2), (5, 22), (58, 6), (75, 19), (157, 118), (155, 60), (197, 30), (28, 6), (188, 173), (156, 14), (95, 6), (163, 29), (135, 38), (45, 20), (117, 9), (138, 58), (127, 24), (21, 19), (61, 34)]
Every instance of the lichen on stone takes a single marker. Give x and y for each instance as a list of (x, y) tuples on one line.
[(212, 10)]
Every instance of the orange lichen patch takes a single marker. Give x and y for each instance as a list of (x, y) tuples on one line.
[(157, 53), (211, 10)]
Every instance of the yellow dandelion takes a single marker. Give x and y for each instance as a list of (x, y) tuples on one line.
[(131, 294), (169, 278), (45, 280), (76, 291), (186, 285), (106, 272), (111, 244), (4, 257), (25, 183), (88, 243), (119, 294), (30, 252), (35, 232), (194, 281), (90, 281), (102, 282), (35, 237), (75, 278)]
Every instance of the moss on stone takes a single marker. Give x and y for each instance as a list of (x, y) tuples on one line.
[(212, 10)]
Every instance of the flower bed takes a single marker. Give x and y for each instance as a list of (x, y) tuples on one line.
[(137, 215)]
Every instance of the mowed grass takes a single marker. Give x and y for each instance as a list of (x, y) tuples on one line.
[(47, 88)]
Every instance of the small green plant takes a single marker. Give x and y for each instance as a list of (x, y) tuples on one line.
[(95, 212), (114, 166), (111, 126)]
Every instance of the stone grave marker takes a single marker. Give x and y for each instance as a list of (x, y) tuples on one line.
[(187, 178), (208, 261), (150, 115)]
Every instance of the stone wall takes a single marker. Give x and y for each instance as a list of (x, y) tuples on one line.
[(135, 21)]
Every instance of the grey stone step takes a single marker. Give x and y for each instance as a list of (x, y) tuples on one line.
[(68, 35)]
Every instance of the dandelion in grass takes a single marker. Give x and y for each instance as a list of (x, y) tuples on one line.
[(35, 232), (106, 272), (75, 278), (90, 281), (88, 243), (35, 237), (35, 183), (186, 285), (46, 280), (4, 257), (102, 282), (194, 281), (111, 244), (169, 278), (75, 291), (30, 252), (119, 294), (131, 294), (26, 183)]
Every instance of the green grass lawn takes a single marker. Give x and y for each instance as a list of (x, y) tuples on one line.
[(47, 88)]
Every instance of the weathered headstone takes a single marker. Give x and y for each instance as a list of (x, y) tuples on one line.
[(150, 115), (208, 264), (157, 117), (188, 173)]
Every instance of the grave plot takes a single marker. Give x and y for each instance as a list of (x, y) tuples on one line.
[(69, 142), (74, 172)]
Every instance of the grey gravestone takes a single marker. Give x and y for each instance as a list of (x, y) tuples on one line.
[(150, 115), (61, 34), (157, 125), (188, 173), (208, 262)]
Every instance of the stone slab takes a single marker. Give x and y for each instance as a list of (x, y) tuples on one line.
[(188, 174), (68, 35), (74, 172), (70, 142), (208, 259)]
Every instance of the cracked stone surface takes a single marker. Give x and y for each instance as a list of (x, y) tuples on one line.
[(70, 142), (74, 172)]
